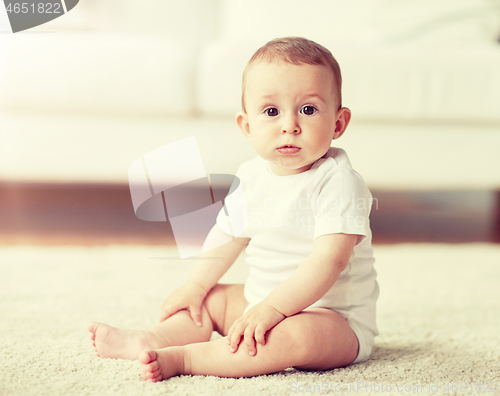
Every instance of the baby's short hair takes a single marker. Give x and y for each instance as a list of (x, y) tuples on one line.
[(297, 51)]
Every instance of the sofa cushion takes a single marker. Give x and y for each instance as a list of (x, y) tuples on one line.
[(380, 82), (98, 73), (420, 84)]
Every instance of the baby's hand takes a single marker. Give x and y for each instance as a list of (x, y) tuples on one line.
[(253, 327), (189, 297)]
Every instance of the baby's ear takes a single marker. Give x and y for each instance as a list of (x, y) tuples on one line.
[(242, 121), (343, 118)]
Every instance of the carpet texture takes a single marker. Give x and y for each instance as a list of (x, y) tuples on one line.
[(438, 317)]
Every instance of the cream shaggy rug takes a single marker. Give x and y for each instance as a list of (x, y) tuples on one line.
[(438, 316)]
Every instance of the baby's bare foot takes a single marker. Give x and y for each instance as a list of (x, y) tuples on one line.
[(111, 342), (160, 364)]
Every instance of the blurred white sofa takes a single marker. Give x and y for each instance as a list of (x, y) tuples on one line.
[(85, 95)]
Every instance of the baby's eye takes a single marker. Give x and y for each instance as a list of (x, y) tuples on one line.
[(271, 111), (308, 110)]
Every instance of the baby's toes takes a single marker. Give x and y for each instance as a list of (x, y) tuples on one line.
[(153, 366), (147, 369), (156, 378), (92, 327), (147, 356), (151, 375)]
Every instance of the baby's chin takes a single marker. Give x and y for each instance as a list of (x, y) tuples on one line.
[(287, 170)]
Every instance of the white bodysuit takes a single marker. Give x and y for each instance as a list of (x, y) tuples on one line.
[(285, 214)]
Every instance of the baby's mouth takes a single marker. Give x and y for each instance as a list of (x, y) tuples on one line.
[(288, 149)]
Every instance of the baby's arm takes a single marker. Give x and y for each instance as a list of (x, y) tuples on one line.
[(312, 279), (205, 275)]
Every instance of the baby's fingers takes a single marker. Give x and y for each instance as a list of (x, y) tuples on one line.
[(250, 341), (167, 312), (260, 335), (195, 313), (229, 334), (231, 330), (234, 339)]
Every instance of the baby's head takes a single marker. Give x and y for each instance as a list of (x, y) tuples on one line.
[(296, 51), (292, 97)]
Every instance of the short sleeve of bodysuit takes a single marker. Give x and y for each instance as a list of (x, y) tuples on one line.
[(341, 203)]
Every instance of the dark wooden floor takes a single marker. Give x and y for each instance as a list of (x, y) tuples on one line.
[(101, 214)]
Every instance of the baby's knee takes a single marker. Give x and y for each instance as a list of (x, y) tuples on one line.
[(215, 303), (225, 303), (297, 335), (215, 296)]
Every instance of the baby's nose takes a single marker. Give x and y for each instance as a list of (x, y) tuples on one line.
[(291, 126)]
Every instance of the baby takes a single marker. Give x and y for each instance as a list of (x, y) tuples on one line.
[(309, 300)]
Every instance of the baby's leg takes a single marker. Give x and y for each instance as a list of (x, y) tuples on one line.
[(316, 339), (179, 329)]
